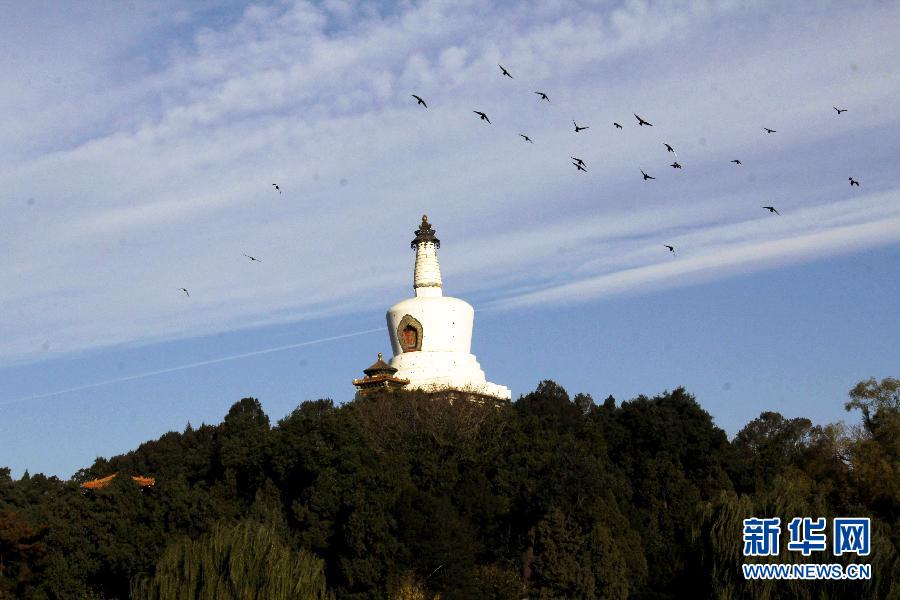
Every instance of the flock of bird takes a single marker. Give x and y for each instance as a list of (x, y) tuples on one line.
[(579, 163)]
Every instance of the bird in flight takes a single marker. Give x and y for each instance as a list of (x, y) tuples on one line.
[(525, 137), (839, 110), (671, 248), (505, 72), (483, 116), (670, 149), (646, 177), (543, 96), (853, 182), (419, 100), (769, 130), (252, 258), (580, 166), (642, 122), (772, 209), (578, 128), (617, 126), (277, 188), (675, 165), (185, 291), (578, 160), (737, 162)]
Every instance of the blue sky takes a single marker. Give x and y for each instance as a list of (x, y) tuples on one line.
[(138, 145)]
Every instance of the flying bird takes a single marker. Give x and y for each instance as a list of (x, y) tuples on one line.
[(839, 110), (543, 96), (419, 100), (483, 116), (526, 138), (185, 291), (671, 248), (853, 182), (579, 128), (670, 149), (277, 188), (580, 166), (578, 160), (642, 122), (769, 130), (617, 126), (737, 162), (675, 165), (646, 177), (772, 209), (252, 258), (505, 72)]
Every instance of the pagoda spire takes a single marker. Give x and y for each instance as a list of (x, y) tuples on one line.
[(427, 274)]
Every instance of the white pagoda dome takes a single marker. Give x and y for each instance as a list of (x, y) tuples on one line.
[(431, 334)]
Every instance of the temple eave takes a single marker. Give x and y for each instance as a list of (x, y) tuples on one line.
[(378, 380)]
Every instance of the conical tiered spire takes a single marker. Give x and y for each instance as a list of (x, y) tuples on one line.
[(427, 276)]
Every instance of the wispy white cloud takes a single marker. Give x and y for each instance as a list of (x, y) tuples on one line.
[(723, 250), (149, 174), (187, 366)]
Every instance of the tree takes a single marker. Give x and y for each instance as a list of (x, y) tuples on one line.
[(243, 561), (875, 451), (240, 447), (766, 446), (405, 494), (20, 553), (563, 562), (408, 587), (876, 400)]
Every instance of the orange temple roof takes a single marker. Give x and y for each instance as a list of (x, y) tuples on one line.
[(104, 481)]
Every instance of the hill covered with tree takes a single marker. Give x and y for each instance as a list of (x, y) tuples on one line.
[(399, 495)]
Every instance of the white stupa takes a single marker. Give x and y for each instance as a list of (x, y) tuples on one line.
[(431, 334)]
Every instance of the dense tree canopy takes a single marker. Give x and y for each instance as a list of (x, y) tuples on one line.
[(402, 495)]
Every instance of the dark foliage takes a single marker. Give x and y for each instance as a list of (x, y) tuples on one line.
[(406, 495)]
